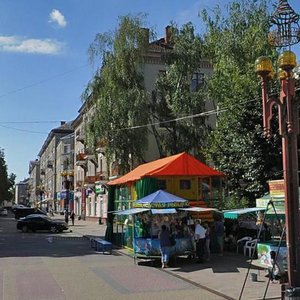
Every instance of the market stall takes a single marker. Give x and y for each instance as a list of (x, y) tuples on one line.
[(150, 213), (181, 174)]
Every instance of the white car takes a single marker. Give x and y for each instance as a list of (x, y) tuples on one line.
[(3, 212)]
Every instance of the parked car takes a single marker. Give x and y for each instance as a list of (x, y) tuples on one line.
[(3, 212), (25, 211), (37, 222)]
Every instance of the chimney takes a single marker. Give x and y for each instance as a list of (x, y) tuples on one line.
[(168, 34), (146, 34)]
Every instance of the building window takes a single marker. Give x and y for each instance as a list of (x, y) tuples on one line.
[(67, 149), (185, 184), (161, 184), (197, 81)]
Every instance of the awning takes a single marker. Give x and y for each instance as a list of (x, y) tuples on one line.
[(156, 211), (138, 210), (132, 211), (161, 199), (235, 213), (45, 200), (199, 209), (182, 164)]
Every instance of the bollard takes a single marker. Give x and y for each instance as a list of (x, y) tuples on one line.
[(253, 277)]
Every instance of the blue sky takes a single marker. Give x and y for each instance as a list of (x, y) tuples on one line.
[(44, 62)]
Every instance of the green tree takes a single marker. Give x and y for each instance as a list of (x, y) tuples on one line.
[(117, 92), (176, 97), (237, 145), (6, 182)]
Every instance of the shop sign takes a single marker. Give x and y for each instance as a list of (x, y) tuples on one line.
[(276, 187), (99, 189), (161, 205)]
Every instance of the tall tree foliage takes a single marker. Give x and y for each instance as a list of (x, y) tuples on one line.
[(237, 146), (6, 182), (174, 97), (117, 91)]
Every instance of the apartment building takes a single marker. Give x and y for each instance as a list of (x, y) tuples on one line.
[(48, 165), (34, 183), (85, 172), (90, 171), (21, 192), (93, 169), (65, 173)]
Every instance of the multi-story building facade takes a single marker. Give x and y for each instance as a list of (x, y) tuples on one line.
[(21, 192), (65, 173), (92, 170), (153, 67), (34, 186), (48, 163), (90, 173)]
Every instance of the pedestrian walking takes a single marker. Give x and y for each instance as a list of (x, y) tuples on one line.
[(207, 241), (219, 230), (200, 240), (165, 244), (66, 216), (72, 217)]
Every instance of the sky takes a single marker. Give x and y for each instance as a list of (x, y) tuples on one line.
[(44, 66)]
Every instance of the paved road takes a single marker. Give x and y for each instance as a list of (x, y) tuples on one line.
[(34, 268)]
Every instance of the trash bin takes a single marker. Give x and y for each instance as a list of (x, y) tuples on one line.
[(253, 277)]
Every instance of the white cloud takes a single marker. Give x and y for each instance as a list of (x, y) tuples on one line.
[(58, 18), (36, 46)]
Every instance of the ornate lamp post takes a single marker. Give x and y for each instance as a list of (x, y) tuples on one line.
[(286, 33)]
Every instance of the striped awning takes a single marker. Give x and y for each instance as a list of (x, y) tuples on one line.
[(235, 213)]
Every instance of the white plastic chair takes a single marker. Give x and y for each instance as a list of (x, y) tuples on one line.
[(242, 241), (250, 246)]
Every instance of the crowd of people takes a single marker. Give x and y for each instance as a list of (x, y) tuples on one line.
[(199, 233)]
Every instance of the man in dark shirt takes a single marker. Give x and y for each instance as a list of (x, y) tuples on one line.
[(219, 230)]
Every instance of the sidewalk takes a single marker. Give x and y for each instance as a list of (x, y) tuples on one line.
[(223, 275)]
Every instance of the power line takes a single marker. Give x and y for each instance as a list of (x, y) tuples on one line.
[(42, 81), (207, 113), (23, 130), (28, 122)]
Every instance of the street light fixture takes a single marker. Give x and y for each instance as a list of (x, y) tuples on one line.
[(285, 34)]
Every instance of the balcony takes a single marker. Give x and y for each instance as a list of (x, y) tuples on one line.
[(80, 137), (100, 176), (50, 164), (90, 179), (79, 183), (92, 158), (80, 156)]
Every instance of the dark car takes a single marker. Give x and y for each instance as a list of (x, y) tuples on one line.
[(41, 222), (3, 212), (25, 211)]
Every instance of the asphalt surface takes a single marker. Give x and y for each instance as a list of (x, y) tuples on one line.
[(63, 266)]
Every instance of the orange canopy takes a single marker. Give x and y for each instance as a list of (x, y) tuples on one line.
[(182, 164)]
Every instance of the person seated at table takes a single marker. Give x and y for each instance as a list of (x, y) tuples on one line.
[(274, 270)]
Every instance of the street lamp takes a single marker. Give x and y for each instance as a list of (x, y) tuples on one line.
[(286, 33)]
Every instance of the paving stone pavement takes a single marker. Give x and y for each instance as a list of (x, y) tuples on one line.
[(223, 275)]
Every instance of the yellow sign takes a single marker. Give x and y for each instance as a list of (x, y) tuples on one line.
[(276, 187)]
